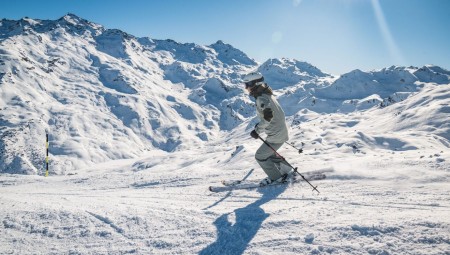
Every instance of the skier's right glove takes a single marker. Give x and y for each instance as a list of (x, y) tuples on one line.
[(254, 134)]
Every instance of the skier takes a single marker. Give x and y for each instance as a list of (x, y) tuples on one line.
[(273, 123)]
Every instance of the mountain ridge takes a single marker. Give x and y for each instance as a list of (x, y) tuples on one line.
[(103, 94)]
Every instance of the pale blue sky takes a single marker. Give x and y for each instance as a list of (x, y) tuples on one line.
[(337, 36)]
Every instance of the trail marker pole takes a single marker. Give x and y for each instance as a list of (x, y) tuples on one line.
[(46, 158)]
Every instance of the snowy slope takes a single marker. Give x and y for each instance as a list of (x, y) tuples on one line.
[(359, 90), (376, 201), (140, 128), (103, 95)]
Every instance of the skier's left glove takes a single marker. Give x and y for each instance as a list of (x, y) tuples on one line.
[(254, 134)]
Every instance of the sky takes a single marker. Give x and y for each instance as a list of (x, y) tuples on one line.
[(336, 36)]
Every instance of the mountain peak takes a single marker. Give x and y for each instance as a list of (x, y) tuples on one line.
[(283, 72), (230, 55), (70, 22), (72, 19), (294, 65)]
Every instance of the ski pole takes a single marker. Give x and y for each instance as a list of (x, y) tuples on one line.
[(295, 168), (299, 150)]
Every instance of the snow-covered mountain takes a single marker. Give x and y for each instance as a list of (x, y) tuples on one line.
[(103, 94), (288, 72), (140, 128)]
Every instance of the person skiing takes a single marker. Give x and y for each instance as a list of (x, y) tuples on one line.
[(272, 123)]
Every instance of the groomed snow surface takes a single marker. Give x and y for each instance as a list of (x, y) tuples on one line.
[(382, 200)]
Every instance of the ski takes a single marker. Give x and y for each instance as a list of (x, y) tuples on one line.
[(311, 175), (254, 184)]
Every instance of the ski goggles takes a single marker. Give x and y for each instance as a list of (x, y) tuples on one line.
[(250, 84)]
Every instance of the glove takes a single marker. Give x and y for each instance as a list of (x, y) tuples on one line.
[(254, 134), (268, 114)]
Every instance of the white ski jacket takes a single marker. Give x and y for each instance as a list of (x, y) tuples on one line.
[(275, 127)]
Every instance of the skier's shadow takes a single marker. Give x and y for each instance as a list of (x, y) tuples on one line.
[(234, 238)]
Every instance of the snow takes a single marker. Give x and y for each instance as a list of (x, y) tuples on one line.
[(140, 128)]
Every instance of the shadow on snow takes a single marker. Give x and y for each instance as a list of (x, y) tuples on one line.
[(234, 238)]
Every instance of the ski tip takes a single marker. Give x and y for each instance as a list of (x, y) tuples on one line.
[(210, 188)]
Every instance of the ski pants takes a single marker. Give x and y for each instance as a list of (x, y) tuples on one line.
[(269, 161)]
